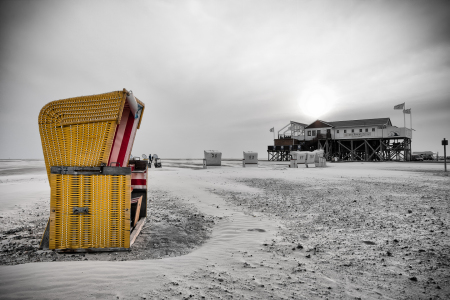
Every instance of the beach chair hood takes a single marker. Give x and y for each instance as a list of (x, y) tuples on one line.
[(91, 130)]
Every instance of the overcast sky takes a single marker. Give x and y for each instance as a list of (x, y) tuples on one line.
[(219, 74)]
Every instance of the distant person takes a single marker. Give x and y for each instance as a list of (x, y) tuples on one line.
[(155, 158)]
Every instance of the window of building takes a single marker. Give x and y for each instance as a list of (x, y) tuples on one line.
[(337, 131), (345, 130), (360, 130), (318, 131), (373, 129), (328, 130), (314, 133), (367, 129), (353, 130), (309, 132)]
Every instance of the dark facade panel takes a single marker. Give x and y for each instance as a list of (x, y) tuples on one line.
[(286, 142)]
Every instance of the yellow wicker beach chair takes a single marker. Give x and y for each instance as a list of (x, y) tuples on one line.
[(87, 143)]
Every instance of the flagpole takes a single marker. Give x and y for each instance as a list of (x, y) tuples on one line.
[(402, 106), (404, 117), (410, 123)]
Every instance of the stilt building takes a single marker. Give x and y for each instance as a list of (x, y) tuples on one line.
[(352, 140)]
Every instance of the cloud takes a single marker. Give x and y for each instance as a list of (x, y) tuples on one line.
[(222, 69)]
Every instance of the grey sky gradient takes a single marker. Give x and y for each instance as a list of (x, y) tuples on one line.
[(219, 74)]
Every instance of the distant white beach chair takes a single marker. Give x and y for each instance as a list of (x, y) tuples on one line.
[(319, 159), (305, 157), (250, 158), (212, 158)]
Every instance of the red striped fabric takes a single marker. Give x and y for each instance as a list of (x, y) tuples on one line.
[(126, 139), (134, 200), (138, 182)]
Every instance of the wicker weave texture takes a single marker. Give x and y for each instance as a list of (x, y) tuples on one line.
[(107, 222), (80, 131), (85, 109), (86, 144)]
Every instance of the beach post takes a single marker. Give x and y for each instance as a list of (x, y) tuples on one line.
[(445, 144)]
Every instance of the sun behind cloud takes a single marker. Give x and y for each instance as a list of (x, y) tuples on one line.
[(316, 100)]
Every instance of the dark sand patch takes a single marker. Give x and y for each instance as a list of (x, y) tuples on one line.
[(173, 228), (376, 233)]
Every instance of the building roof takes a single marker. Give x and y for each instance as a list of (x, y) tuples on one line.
[(301, 124), (319, 124), (360, 123)]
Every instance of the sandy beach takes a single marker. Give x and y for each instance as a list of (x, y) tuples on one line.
[(347, 231)]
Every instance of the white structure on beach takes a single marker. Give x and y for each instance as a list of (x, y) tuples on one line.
[(250, 158), (352, 140), (213, 158), (355, 129)]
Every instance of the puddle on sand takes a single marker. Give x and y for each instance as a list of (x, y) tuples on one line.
[(257, 229)]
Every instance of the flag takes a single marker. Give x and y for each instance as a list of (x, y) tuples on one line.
[(407, 111), (271, 129), (400, 106)]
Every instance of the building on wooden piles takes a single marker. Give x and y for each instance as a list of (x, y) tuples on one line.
[(352, 140)]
